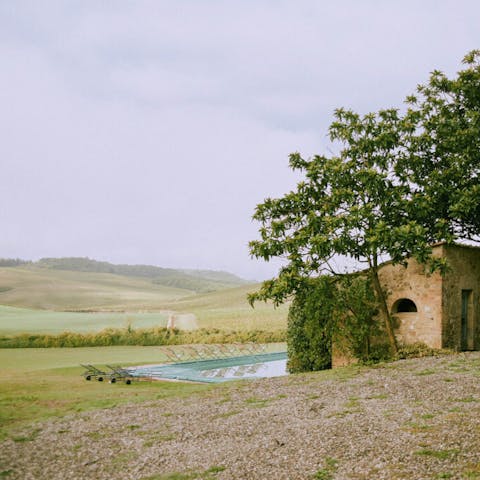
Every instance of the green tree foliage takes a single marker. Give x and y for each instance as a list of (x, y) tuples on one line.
[(398, 183), (309, 332), (327, 310), (442, 151), (357, 331), (348, 204)]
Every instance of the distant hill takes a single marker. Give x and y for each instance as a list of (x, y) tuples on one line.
[(49, 286), (52, 301), (198, 281), (64, 290), (217, 276)]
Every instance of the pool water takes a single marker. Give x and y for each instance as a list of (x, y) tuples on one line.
[(220, 370), (274, 368)]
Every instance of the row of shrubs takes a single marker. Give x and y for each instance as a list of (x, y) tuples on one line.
[(144, 337)]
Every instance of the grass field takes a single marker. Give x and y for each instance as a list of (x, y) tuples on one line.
[(229, 309), (15, 320), (39, 383), (53, 301), (62, 290), (36, 384)]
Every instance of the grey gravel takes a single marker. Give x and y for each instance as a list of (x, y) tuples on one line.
[(412, 419)]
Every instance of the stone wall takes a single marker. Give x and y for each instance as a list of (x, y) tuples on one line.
[(438, 300), (464, 274), (412, 283)]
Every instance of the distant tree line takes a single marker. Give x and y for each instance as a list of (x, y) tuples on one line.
[(85, 264), (13, 262)]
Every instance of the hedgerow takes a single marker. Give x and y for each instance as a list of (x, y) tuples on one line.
[(144, 337)]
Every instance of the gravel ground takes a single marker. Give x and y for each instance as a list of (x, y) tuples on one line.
[(413, 419)]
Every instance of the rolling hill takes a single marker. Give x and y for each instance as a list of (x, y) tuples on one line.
[(48, 297), (64, 290), (199, 281)]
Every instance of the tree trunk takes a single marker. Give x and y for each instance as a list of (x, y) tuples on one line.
[(382, 303)]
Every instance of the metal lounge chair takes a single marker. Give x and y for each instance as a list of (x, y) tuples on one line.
[(119, 373), (93, 372)]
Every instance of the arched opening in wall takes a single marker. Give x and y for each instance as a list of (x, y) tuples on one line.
[(404, 305)]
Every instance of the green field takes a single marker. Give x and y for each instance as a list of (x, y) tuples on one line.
[(36, 384), (37, 300), (229, 309), (15, 320), (39, 383), (47, 289)]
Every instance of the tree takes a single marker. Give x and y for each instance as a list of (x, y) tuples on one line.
[(442, 158), (310, 329), (398, 183), (349, 204)]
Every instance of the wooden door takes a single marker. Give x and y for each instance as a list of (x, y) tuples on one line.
[(467, 327)]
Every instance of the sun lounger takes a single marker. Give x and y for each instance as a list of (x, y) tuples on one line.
[(119, 373), (93, 372)]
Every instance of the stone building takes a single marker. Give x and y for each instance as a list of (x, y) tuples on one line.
[(439, 311), (442, 312)]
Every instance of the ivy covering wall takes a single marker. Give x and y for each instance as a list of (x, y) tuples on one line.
[(334, 310)]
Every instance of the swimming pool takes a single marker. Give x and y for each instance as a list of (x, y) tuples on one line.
[(220, 370)]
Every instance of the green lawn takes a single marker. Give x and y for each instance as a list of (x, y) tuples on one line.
[(37, 359), (237, 315), (39, 383), (15, 320), (36, 384)]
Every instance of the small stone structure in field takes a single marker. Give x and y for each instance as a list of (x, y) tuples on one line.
[(182, 321), (442, 312)]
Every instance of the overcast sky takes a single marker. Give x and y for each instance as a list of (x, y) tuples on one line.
[(147, 131)]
